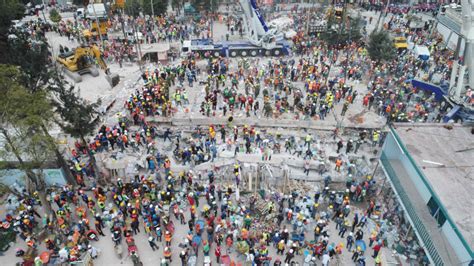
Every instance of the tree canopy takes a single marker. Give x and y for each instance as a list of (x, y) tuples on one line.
[(206, 5), (79, 118), (22, 115), (33, 57), (342, 31), (9, 10), (134, 7), (54, 15), (18, 105), (381, 47), (159, 7)]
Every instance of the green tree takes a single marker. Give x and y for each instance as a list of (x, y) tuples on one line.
[(354, 28), (9, 10), (80, 2), (54, 15), (206, 5), (133, 7), (341, 32), (331, 35), (22, 114), (79, 118), (381, 47), (159, 7), (33, 57), (177, 5)]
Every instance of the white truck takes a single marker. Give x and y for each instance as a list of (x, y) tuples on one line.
[(262, 40), (91, 11)]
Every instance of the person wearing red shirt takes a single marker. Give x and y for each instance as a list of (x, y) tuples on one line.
[(376, 250), (217, 252)]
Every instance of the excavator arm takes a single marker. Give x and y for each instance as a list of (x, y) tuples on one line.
[(90, 51), (100, 59), (113, 79), (79, 62)]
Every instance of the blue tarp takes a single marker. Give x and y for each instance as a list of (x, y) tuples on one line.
[(439, 92)]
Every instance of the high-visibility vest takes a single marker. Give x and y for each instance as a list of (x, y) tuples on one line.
[(376, 136)]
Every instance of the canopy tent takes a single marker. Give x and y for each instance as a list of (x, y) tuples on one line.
[(422, 52)]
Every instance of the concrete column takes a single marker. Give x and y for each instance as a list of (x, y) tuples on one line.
[(467, 30), (455, 65), (259, 176), (469, 62), (459, 87), (250, 181), (452, 80)]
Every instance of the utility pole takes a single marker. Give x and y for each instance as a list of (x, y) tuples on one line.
[(152, 15), (42, 11)]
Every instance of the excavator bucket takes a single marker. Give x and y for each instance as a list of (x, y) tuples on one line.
[(113, 79)]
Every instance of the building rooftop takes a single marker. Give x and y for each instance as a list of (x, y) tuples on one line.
[(446, 158)]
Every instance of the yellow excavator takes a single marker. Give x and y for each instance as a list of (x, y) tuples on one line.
[(82, 60)]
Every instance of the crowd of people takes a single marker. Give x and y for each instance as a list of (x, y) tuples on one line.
[(309, 227), (279, 229), (323, 88)]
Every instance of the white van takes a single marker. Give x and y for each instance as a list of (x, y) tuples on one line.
[(96, 9)]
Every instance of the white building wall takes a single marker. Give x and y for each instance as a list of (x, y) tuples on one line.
[(456, 243)]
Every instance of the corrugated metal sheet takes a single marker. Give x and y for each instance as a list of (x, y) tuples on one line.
[(451, 24)]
